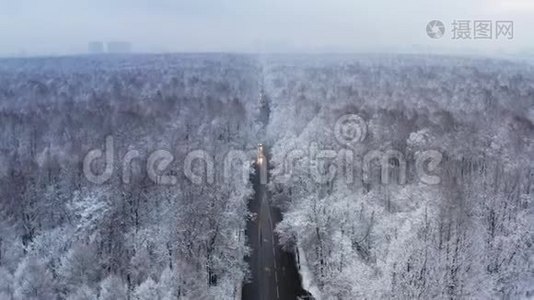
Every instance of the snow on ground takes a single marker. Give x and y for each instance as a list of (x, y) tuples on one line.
[(306, 275)]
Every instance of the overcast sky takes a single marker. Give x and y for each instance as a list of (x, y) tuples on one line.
[(55, 27)]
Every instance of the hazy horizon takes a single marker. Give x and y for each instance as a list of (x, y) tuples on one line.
[(60, 27)]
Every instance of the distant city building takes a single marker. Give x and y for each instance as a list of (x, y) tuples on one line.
[(119, 47), (95, 48)]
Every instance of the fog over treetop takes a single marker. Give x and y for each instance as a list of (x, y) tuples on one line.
[(59, 27)]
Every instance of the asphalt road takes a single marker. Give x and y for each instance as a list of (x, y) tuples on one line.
[(274, 273)]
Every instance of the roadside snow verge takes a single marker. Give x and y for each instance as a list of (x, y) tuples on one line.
[(306, 275)]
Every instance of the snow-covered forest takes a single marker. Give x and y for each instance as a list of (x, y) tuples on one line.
[(64, 237), (470, 236)]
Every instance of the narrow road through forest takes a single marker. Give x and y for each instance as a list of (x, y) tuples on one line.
[(274, 273)]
